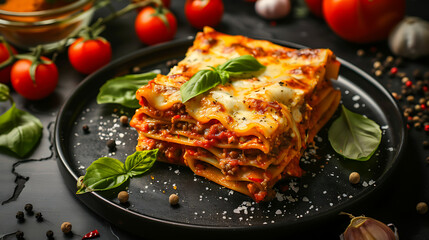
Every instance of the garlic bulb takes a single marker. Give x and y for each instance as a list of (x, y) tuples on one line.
[(366, 228), (273, 9), (410, 38)]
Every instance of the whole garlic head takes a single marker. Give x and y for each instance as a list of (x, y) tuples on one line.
[(272, 9), (410, 38)]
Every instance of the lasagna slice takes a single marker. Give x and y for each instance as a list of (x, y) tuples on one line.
[(250, 132)]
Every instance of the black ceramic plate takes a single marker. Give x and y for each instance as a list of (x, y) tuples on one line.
[(323, 192)]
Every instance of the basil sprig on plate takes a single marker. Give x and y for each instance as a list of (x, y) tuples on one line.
[(122, 90), (108, 173), (354, 136), (207, 79), (19, 130)]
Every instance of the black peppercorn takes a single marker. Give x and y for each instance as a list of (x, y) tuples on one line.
[(19, 235), (426, 144), (111, 144), (20, 216), (417, 73), (50, 234), (85, 128), (28, 208), (39, 217)]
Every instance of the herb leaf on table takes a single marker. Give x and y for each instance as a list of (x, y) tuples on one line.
[(108, 173), (122, 90), (354, 136), (20, 131)]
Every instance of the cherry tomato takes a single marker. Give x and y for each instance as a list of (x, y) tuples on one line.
[(45, 78), (86, 56), (363, 21), (315, 7), (155, 25), (202, 13), (4, 55)]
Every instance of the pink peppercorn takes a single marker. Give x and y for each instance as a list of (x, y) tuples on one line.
[(426, 128), (408, 83), (394, 70)]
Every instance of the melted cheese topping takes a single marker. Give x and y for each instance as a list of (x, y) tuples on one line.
[(269, 102)]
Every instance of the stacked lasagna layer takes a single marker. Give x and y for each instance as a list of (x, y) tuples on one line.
[(250, 132)]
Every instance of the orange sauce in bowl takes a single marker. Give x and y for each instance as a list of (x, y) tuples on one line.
[(31, 5), (29, 30)]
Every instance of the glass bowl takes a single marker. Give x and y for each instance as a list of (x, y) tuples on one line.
[(47, 27)]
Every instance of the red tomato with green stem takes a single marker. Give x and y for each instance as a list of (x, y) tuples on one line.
[(38, 86), (363, 21), (88, 55), (202, 13), (155, 25), (5, 55)]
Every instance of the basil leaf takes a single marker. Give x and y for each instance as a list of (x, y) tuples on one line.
[(103, 174), (108, 173), (354, 136), (122, 90), (241, 65), (19, 131), (201, 82), (4, 92), (140, 161)]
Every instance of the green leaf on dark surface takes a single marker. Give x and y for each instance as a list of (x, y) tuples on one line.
[(19, 131), (103, 174), (201, 82), (140, 161), (354, 136), (122, 90), (108, 173)]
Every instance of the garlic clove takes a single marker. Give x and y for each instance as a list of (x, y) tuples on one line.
[(365, 228)]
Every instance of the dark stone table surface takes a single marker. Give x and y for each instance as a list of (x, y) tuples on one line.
[(37, 180)]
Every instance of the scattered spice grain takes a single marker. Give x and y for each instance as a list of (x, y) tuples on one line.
[(124, 120), (39, 216), (173, 199), (50, 234), (422, 208), (111, 144), (20, 216), (354, 178), (28, 208), (19, 235), (85, 128), (66, 227), (123, 196)]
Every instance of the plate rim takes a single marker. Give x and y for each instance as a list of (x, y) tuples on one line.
[(66, 168)]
